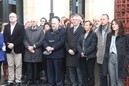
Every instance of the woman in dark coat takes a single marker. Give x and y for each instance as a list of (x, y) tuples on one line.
[(87, 47), (116, 53)]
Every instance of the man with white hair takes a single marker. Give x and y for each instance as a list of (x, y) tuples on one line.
[(33, 51), (72, 57), (13, 37)]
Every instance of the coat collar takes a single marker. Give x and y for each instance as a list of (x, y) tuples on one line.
[(15, 28), (56, 31), (35, 28), (72, 30), (88, 34), (106, 27)]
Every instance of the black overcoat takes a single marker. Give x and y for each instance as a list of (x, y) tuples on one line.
[(122, 54), (71, 43)]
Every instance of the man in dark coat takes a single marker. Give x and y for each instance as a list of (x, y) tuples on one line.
[(72, 58), (33, 51), (54, 45), (13, 37)]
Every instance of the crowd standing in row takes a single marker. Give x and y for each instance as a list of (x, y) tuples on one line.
[(69, 46)]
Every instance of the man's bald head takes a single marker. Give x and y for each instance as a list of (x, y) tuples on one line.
[(12, 17)]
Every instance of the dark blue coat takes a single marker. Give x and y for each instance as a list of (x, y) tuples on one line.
[(55, 39)]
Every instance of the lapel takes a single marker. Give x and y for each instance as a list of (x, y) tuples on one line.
[(77, 30), (89, 34), (71, 30), (109, 39), (9, 29)]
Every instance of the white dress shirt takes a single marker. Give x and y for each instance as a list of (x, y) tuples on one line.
[(12, 27)]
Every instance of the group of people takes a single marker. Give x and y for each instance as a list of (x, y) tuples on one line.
[(65, 46)]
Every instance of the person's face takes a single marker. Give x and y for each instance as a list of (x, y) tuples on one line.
[(87, 26), (75, 21), (62, 20), (33, 23), (104, 20), (71, 20), (97, 22), (28, 24), (115, 26), (46, 27), (42, 21), (55, 23), (94, 20), (12, 18)]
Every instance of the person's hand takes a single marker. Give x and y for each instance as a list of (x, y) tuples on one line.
[(71, 52), (10, 45), (82, 54), (49, 48), (31, 49), (52, 48)]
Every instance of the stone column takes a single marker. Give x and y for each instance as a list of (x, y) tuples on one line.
[(61, 9), (41, 8), (79, 6), (5, 10), (67, 8), (29, 9), (89, 4), (74, 9), (19, 10)]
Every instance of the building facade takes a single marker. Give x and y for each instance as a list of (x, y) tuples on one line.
[(6, 6), (26, 9)]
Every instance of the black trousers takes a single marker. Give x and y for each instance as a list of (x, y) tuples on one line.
[(0, 69), (32, 71), (55, 71), (87, 67), (103, 79)]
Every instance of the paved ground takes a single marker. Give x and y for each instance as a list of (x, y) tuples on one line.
[(67, 82), (43, 84), (37, 85)]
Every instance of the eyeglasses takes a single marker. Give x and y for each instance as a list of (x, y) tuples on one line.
[(42, 21), (12, 17)]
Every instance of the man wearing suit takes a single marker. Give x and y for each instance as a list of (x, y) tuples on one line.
[(13, 37), (72, 58)]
